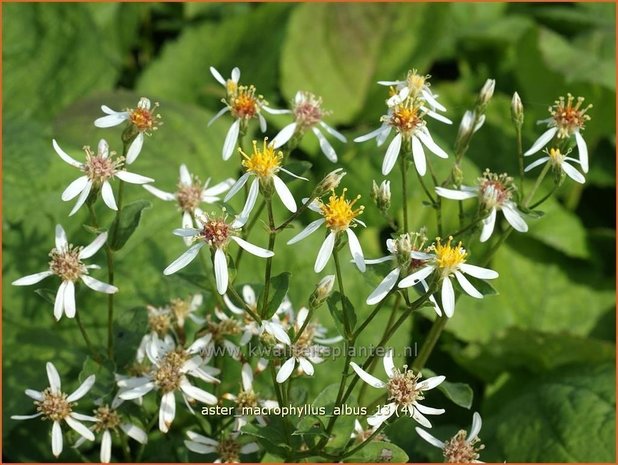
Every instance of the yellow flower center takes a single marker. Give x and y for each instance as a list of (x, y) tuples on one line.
[(265, 162), (405, 117), (339, 212), (448, 257), (244, 104), (555, 157), (416, 82)]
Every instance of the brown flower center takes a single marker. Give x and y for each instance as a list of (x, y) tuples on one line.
[(246, 399), (216, 232), (189, 197), (569, 117), (99, 168), (167, 375), (53, 406), (66, 263), (458, 450), (402, 387), (228, 450), (107, 419)]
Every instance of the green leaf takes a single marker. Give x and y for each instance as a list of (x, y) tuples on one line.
[(567, 415), (129, 328), (460, 393), (280, 284), (126, 223), (379, 452), (334, 302), (345, 423), (105, 384)]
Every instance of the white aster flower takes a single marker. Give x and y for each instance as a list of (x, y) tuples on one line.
[(566, 120), (231, 84), (143, 121), (56, 406), (461, 448), (264, 164), (190, 194), (495, 192), (361, 434), (66, 263), (307, 349), (339, 216), (559, 162), (406, 118), (404, 389), (182, 309), (108, 421), (308, 115), (227, 449), (448, 260), (217, 234), (171, 367), (247, 400), (98, 170)]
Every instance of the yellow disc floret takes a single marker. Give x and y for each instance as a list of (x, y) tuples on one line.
[(405, 117), (449, 257), (339, 212), (263, 163)]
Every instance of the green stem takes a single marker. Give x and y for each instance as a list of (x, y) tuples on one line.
[(247, 309), (302, 208), (372, 315), (346, 322), (78, 320), (520, 158), (304, 326), (430, 342), (404, 190), (247, 231), (365, 442), (269, 261), (142, 447)]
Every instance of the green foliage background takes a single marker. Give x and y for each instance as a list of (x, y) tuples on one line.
[(539, 357)]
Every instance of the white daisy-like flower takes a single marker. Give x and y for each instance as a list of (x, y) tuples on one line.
[(251, 327), (222, 331), (143, 120), (417, 87), (182, 309), (361, 434), (98, 171), (264, 164), (495, 192), (247, 400), (559, 162), (400, 250), (448, 260), (461, 448), (191, 194), (307, 349), (567, 119), (55, 405), (243, 104), (406, 118), (171, 367), (108, 421), (404, 389), (66, 263), (339, 216), (308, 115), (217, 234), (227, 449)]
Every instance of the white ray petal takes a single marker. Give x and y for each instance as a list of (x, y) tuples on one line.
[(93, 247), (429, 410), (74, 189), (412, 279), (467, 286), (478, 272), (477, 423), (536, 163), (434, 148), (309, 229), (230, 140), (389, 366), (582, 148), (448, 297), (197, 393), (82, 198), (111, 120), (60, 238), (135, 432), (284, 135), (79, 428), (429, 438), (82, 390), (65, 156), (237, 186), (59, 302), (218, 188), (326, 250), (392, 153), (488, 225), (106, 447), (284, 194), (572, 173), (325, 146), (108, 195), (184, 259), (286, 370), (333, 132), (371, 135), (356, 250), (542, 141), (366, 377), (217, 75), (253, 249), (56, 435), (306, 366), (431, 383), (455, 194), (26, 417), (31, 279), (514, 217), (167, 411), (133, 178), (69, 300), (98, 286), (219, 114), (384, 287), (53, 378), (247, 377), (254, 190), (221, 274), (375, 261), (418, 154)]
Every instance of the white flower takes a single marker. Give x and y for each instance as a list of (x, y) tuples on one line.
[(66, 263), (406, 118), (404, 390), (361, 434), (559, 162), (109, 421), (264, 165), (307, 349), (339, 216), (308, 114), (182, 309), (566, 120), (227, 449), (191, 194), (143, 120), (56, 406), (217, 234), (448, 260), (171, 367), (459, 449), (243, 103), (98, 170), (495, 193), (247, 399)]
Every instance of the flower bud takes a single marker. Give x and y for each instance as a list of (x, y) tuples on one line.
[(322, 291), (517, 110), (331, 181), (457, 175), (487, 92), (381, 195)]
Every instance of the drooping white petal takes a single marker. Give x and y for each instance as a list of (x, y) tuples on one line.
[(309, 229), (426, 139), (467, 286), (93, 247), (254, 190), (56, 435), (197, 393), (436, 116), (221, 274), (74, 189), (514, 217), (59, 302), (383, 136), (167, 411), (356, 250), (262, 121), (217, 75), (230, 140), (186, 258), (65, 156), (286, 370), (135, 148), (36, 395), (79, 427), (429, 410), (418, 155), (32, 279), (384, 287), (385, 412), (217, 189), (246, 374), (69, 300), (412, 279), (389, 366), (111, 120), (392, 152), (582, 148), (137, 391), (237, 186), (106, 447), (306, 366), (542, 141), (82, 389), (448, 297), (326, 250), (248, 295), (26, 417), (186, 232), (253, 249), (277, 331), (366, 377), (429, 438), (375, 261), (325, 146), (333, 132), (431, 383), (431, 100), (82, 198), (478, 272), (98, 286), (82, 417), (536, 163), (220, 113), (419, 417), (477, 423), (200, 448), (572, 173), (371, 135), (284, 135), (488, 225), (133, 178), (135, 432), (284, 194), (108, 195), (455, 194)]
